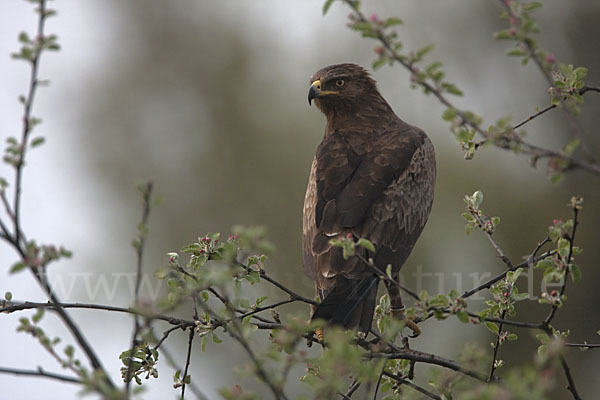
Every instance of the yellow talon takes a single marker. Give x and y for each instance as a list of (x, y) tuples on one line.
[(319, 333)]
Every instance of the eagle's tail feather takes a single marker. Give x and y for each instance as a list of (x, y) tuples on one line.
[(350, 304)]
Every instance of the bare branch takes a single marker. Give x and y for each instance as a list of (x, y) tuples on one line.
[(419, 356), (187, 361), (41, 373), (584, 346), (571, 383), (263, 275)]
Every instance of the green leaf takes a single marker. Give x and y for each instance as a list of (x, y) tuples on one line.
[(492, 327), (203, 345), (362, 26), (575, 273), (70, 351), (424, 51), (216, 339), (503, 35), (516, 52), (326, 6), (37, 141), (544, 264), (580, 73), (563, 248), (452, 89), (512, 336), (379, 62), (531, 6), (449, 114), (366, 244), (463, 317), (469, 217), (571, 146), (38, 315), (391, 22), (8, 296), (18, 266)]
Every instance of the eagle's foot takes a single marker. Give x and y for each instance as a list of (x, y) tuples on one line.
[(408, 321), (319, 333)]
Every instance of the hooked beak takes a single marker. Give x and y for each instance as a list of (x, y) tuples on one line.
[(315, 91)]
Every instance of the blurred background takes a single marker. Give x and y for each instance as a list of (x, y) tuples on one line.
[(208, 99)]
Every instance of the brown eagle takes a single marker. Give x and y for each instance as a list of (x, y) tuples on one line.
[(372, 177)]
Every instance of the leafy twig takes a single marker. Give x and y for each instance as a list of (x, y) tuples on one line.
[(548, 319), (146, 191), (496, 347)]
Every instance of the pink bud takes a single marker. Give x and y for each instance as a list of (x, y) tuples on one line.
[(550, 58), (379, 50), (513, 21), (373, 17)]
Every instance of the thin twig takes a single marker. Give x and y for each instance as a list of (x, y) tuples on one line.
[(263, 275), (571, 383), (428, 358), (39, 372), (537, 114), (495, 279), (584, 346), (187, 361), (27, 119), (166, 335), (353, 388), (383, 276), (408, 383), (379, 381), (166, 353)]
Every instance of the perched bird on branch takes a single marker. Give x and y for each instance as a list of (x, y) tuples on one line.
[(372, 177)]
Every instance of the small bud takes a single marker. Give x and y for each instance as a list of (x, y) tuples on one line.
[(379, 50), (373, 17)]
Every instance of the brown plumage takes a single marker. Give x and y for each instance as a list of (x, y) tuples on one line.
[(372, 177)]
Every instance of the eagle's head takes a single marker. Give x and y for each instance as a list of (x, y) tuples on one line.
[(341, 87)]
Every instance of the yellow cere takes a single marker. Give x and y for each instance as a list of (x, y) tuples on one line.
[(317, 85)]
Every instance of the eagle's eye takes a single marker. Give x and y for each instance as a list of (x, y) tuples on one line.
[(339, 82)]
